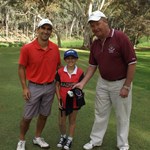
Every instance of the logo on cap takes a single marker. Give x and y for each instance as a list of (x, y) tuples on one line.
[(44, 21), (70, 52)]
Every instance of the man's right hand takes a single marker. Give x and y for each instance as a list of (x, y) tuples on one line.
[(26, 94), (78, 85)]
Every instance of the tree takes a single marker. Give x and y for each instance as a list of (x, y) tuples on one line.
[(132, 17), (70, 17)]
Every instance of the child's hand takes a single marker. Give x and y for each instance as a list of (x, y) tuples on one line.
[(60, 105)]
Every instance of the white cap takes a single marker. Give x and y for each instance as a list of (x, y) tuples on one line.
[(96, 16), (44, 21)]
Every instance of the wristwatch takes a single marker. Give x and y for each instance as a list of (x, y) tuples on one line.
[(126, 87)]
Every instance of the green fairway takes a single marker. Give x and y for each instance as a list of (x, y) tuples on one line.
[(11, 107)]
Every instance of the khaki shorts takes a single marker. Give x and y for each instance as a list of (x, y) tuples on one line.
[(41, 100)]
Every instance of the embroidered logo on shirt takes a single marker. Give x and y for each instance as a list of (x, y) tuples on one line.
[(67, 84), (111, 49)]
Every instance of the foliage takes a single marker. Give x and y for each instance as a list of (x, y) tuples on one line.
[(144, 43), (132, 17), (70, 17), (72, 43), (9, 44)]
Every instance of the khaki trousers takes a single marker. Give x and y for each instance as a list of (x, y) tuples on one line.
[(107, 96)]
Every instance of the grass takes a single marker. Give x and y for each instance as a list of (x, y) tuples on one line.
[(71, 43), (144, 42), (11, 107)]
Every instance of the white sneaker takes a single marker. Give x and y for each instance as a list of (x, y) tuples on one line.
[(61, 142), (124, 148), (21, 145), (40, 142), (68, 144), (88, 146)]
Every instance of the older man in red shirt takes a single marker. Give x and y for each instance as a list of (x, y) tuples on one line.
[(113, 54), (38, 63)]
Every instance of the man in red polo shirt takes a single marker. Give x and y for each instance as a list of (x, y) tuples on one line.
[(113, 54), (38, 63)]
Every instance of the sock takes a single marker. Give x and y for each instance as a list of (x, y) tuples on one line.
[(21, 140), (70, 138), (37, 138), (63, 135)]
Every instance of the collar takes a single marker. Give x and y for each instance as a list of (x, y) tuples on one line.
[(111, 33), (74, 71)]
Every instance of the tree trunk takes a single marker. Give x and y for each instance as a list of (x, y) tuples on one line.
[(86, 38), (7, 23), (58, 38), (72, 25), (34, 27), (66, 29), (86, 31), (78, 29)]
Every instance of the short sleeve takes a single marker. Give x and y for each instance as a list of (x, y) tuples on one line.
[(81, 77), (57, 77)]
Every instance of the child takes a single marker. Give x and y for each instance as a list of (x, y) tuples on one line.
[(65, 79)]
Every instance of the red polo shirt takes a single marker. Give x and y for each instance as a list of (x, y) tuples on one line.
[(40, 64), (113, 55), (67, 82)]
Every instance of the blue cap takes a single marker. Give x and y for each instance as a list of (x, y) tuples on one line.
[(70, 52)]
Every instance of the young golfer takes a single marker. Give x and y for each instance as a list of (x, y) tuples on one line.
[(70, 100)]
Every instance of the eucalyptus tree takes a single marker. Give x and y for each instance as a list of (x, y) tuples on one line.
[(75, 14), (38, 9), (12, 16), (32, 12), (70, 17), (23, 15), (85, 9), (6, 14), (131, 16)]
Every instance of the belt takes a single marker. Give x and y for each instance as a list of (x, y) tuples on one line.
[(46, 83)]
